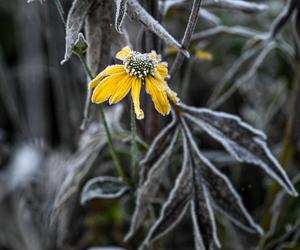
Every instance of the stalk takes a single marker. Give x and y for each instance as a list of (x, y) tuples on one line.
[(111, 146)]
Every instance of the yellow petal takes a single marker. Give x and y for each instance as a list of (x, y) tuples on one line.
[(162, 69), (170, 93), (158, 94), (122, 54), (106, 87), (154, 56), (113, 69), (204, 55), (135, 94), (121, 90), (171, 51)]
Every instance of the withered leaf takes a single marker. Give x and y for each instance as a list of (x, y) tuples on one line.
[(175, 207), (157, 148), (205, 230), (75, 21), (148, 189), (222, 192), (103, 187), (241, 140), (120, 14)]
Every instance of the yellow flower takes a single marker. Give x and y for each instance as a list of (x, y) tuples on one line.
[(115, 81)]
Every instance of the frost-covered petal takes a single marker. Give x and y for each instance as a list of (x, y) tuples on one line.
[(122, 54), (162, 69), (170, 93), (135, 94), (110, 70), (106, 87), (158, 94), (121, 90)]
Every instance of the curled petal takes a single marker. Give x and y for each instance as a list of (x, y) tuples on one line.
[(170, 93), (106, 87), (122, 54), (135, 93), (110, 70), (162, 69), (158, 94)]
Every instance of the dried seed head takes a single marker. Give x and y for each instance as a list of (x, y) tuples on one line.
[(140, 65)]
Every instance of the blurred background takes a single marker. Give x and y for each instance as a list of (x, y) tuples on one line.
[(45, 158)]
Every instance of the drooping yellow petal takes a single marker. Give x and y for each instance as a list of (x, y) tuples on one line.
[(135, 94), (170, 93), (113, 69), (162, 69), (158, 94), (122, 54), (121, 90), (106, 87)]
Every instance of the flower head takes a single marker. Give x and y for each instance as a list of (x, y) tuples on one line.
[(138, 69)]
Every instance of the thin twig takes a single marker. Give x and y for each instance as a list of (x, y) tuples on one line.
[(134, 150), (187, 36)]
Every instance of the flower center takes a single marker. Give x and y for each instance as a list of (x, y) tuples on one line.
[(140, 65)]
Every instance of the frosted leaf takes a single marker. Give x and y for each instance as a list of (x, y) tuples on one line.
[(149, 188), (139, 13), (221, 190), (75, 20), (78, 166), (103, 187), (120, 14), (210, 17), (176, 205), (100, 35), (205, 229), (248, 7), (241, 140), (157, 149)]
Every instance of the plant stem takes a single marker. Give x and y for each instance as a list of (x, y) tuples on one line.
[(60, 11), (289, 137), (134, 150), (112, 149)]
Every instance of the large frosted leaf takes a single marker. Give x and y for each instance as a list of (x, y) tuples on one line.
[(205, 230), (148, 189), (139, 13), (221, 190), (75, 21), (176, 205), (103, 187), (241, 140)]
